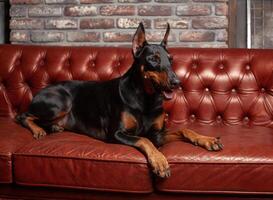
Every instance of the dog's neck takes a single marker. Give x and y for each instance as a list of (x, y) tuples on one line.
[(134, 93)]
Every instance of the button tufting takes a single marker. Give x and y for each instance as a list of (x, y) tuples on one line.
[(233, 90), (42, 63), (262, 90), (221, 66), (18, 62), (194, 65), (206, 89), (180, 88), (219, 118), (67, 63), (192, 117), (92, 64), (247, 67), (246, 118)]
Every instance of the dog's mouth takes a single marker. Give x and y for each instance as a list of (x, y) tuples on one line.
[(168, 94), (164, 89)]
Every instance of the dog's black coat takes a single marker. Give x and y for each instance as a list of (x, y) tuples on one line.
[(94, 108), (125, 110)]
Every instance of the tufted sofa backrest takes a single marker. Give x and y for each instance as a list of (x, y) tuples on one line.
[(24, 70), (228, 86)]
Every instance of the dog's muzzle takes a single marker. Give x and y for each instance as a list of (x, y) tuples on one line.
[(174, 83)]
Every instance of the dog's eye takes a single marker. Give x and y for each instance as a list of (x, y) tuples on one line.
[(153, 59)]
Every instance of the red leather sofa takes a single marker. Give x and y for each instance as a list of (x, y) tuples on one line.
[(224, 92)]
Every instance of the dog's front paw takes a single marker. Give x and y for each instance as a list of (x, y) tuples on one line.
[(38, 133), (210, 143), (160, 165)]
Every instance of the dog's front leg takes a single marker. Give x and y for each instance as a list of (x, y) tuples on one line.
[(209, 143), (155, 158)]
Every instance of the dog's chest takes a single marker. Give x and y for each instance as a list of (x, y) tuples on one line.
[(142, 124), (156, 123)]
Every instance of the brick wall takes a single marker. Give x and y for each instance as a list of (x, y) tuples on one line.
[(194, 23)]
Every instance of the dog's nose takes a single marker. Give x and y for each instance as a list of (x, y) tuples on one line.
[(175, 83)]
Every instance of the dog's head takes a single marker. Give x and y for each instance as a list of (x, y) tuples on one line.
[(155, 62)]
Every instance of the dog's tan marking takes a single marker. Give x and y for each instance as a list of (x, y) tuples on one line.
[(160, 78), (159, 122), (155, 158), (129, 121)]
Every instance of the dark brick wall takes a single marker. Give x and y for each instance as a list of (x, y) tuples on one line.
[(194, 23)]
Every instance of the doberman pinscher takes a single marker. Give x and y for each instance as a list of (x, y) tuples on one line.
[(126, 110)]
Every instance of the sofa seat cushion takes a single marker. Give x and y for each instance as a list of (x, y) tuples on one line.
[(12, 137), (244, 166), (71, 160)]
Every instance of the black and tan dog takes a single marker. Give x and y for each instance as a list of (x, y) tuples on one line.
[(126, 110)]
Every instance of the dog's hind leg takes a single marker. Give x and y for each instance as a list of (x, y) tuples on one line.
[(47, 111), (35, 124)]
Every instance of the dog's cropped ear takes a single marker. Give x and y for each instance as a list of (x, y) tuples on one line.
[(139, 39), (165, 39)]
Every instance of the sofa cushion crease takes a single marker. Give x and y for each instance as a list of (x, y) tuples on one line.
[(121, 190), (73, 160), (12, 137)]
